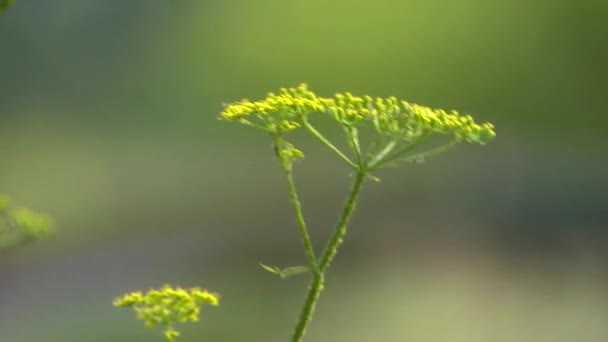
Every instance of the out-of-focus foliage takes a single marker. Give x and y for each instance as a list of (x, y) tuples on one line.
[(19, 225), (4, 5)]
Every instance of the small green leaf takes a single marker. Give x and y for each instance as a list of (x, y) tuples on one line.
[(373, 178), (286, 272), (291, 271), (273, 270)]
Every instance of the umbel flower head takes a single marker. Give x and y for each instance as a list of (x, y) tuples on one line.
[(285, 111), (167, 306)]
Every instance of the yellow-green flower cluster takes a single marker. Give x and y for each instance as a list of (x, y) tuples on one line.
[(277, 112), (405, 120), (389, 116), (167, 306)]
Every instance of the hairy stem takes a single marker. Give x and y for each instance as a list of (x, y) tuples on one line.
[(314, 291), (341, 228)]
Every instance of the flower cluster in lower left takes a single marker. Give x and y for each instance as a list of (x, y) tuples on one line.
[(167, 306)]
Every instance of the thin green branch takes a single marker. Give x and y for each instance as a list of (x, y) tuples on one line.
[(375, 147), (297, 206), (353, 142), (382, 158), (326, 142), (418, 156), (386, 150)]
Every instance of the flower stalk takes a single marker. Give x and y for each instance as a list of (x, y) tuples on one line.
[(399, 128)]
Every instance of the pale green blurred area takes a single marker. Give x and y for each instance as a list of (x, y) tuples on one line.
[(108, 124)]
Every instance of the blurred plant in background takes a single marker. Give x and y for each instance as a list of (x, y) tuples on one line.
[(20, 225), (4, 5)]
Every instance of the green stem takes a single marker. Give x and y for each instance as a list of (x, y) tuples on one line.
[(317, 284), (327, 143), (297, 206), (314, 291), (340, 231)]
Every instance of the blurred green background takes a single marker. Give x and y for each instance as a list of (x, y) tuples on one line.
[(108, 123)]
